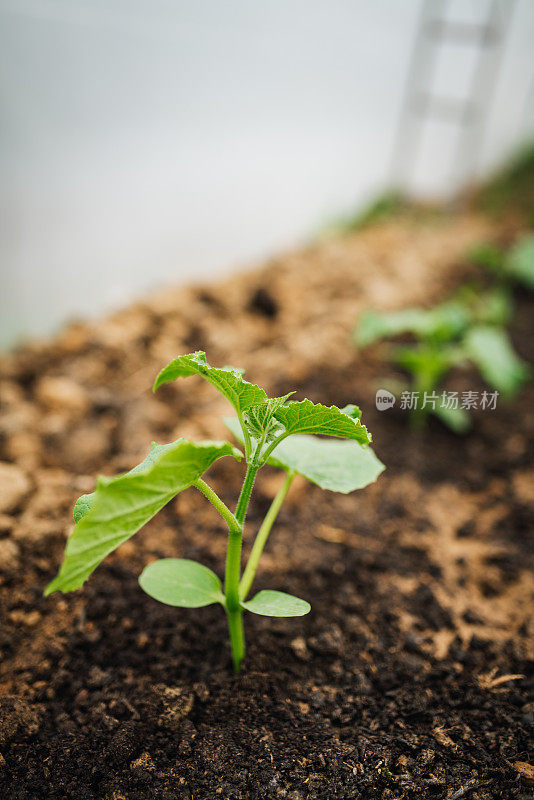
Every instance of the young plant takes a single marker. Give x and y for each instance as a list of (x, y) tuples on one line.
[(273, 431), (509, 267), (468, 328)]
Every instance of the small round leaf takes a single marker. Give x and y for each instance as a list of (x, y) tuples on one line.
[(181, 582), (269, 603)]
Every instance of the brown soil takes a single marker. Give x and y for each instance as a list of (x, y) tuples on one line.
[(411, 676)]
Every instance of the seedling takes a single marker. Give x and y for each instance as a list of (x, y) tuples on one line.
[(511, 267), (276, 431), (469, 328)]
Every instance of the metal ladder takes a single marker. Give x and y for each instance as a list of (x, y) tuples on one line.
[(420, 104)]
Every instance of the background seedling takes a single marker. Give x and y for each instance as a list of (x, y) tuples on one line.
[(516, 266), (468, 328), (275, 431)]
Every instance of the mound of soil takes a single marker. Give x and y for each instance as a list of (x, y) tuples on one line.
[(409, 679)]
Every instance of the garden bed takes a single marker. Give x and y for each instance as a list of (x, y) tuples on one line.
[(409, 679)]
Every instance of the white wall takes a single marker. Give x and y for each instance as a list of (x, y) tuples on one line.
[(147, 142)]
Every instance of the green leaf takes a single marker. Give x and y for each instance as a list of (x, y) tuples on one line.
[(428, 362), (338, 466), (375, 325), (352, 411), (444, 322), (491, 350), (228, 381), (85, 503), (457, 419), (120, 506), (493, 307), (82, 505), (181, 582), (520, 261), (306, 417), (259, 418), (487, 255), (269, 603)]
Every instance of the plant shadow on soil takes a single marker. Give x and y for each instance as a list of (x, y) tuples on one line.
[(409, 679)]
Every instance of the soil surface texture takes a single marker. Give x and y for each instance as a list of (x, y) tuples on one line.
[(412, 675)]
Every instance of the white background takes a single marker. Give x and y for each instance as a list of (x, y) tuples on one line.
[(149, 142)]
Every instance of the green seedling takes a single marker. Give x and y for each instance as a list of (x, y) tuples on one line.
[(511, 267), (467, 329), (274, 431)]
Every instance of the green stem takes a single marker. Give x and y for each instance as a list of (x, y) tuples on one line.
[(216, 501), (418, 418), (259, 447), (244, 497), (237, 637), (234, 612), (246, 437), (262, 536), (273, 444), (233, 571)]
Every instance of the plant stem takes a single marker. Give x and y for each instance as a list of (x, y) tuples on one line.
[(233, 570), (262, 536), (422, 384), (234, 612), (244, 497), (246, 437), (216, 501), (274, 444), (237, 637), (235, 540)]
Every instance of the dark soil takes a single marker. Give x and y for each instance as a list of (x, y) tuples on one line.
[(411, 677)]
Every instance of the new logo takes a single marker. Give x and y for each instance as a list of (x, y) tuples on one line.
[(384, 400)]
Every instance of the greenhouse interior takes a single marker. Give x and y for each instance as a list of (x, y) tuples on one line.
[(267, 400)]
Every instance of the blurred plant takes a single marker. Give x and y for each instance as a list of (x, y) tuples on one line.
[(468, 328), (508, 267), (512, 186), (382, 208), (120, 506)]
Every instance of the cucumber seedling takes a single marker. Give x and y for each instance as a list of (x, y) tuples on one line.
[(509, 267), (276, 431), (469, 328)]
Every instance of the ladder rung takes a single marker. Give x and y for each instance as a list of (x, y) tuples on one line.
[(462, 31)]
